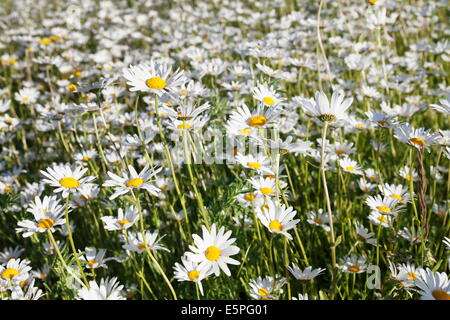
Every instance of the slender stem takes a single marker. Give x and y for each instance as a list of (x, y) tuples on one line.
[(72, 244), (330, 214)]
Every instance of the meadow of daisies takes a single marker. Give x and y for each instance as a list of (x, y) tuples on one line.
[(224, 149)]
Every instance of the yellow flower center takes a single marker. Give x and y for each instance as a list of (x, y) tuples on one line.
[(69, 183), (245, 131), (85, 159), (263, 292), (384, 209), (318, 221), (372, 2), (9, 273), (353, 268), (212, 253), (418, 142), (269, 101), (25, 99), (408, 177), (275, 225), (142, 246), (396, 196), (72, 87), (7, 188), (254, 165), (136, 182), (193, 275), (156, 83), (268, 176), (184, 126), (412, 276), (351, 169), (257, 121), (440, 295), (249, 196), (91, 263), (265, 191), (382, 122), (46, 41), (360, 125), (382, 219), (123, 222), (46, 223), (340, 152)]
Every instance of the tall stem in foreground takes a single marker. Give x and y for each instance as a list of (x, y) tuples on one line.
[(422, 190), (72, 244), (330, 214)]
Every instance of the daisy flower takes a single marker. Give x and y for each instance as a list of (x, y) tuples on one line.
[(418, 138), (123, 221), (214, 250), (405, 173), (433, 285), (190, 271), (132, 181), (96, 259), (42, 273), (267, 288), (259, 118), (352, 264), (264, 186), (308, 274), (325, 110), (350, 166), (109, 289), (15, 271), (180, 126), (266, 95), (408, 274), (137, 243), (260, 163), (186, 111), (10, 253), (27, 95), (47, 205), (397, 192), (248, 199), (444, 106), (32, 292), (277, 219), (381, 119), (372, 175), (365, 186), (319, 218), (384, 205), (380, 219), (84, 157), (410, 235), (153, 77), (364, 233), (439, 209), (43, 221), (66, 179)]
